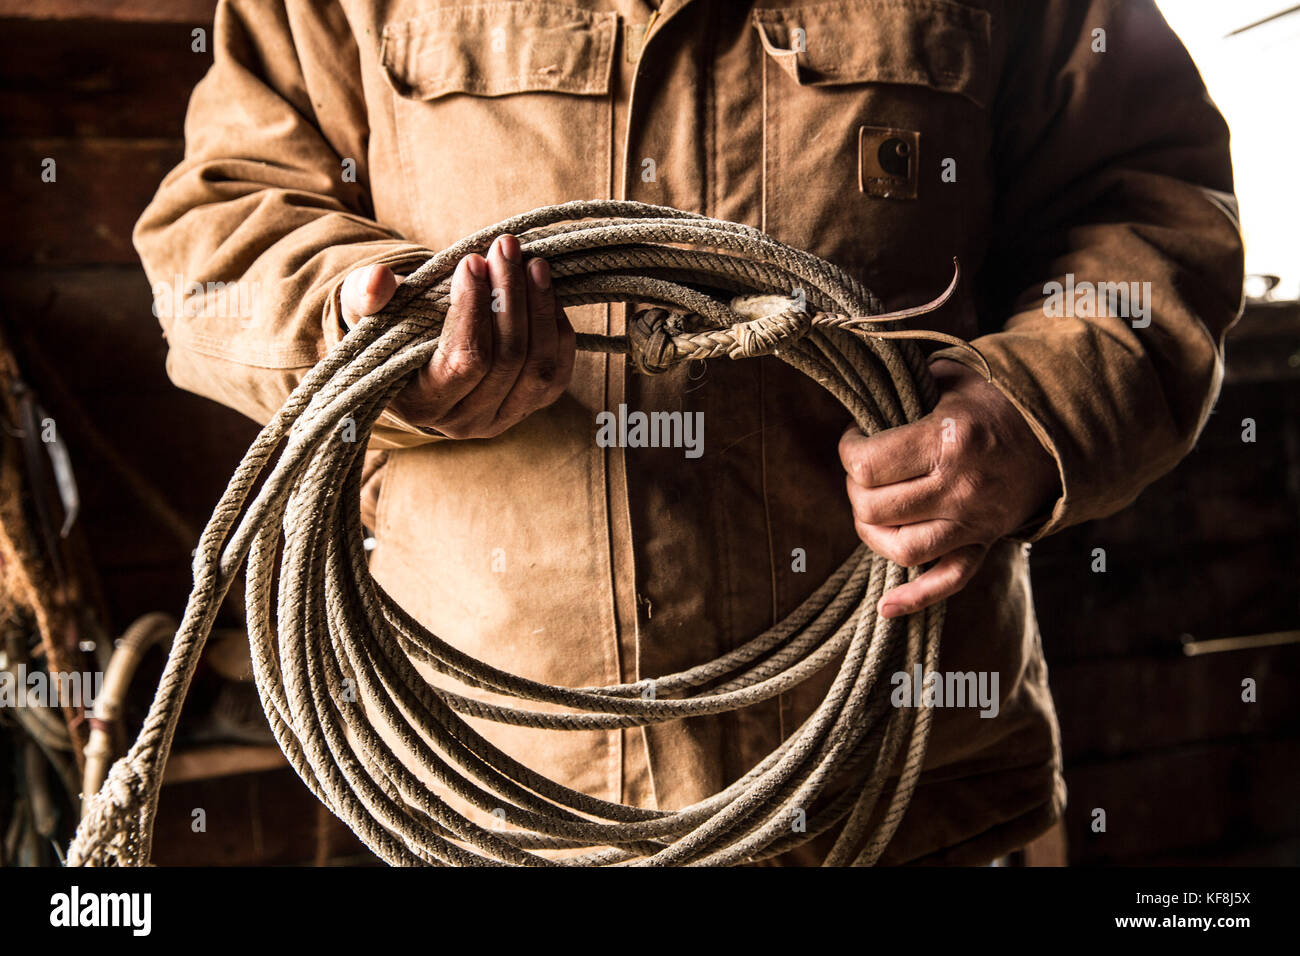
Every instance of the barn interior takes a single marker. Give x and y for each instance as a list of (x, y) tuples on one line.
[(1195, 593)]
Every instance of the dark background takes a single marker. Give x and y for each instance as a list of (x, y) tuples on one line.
[(1185, 770)]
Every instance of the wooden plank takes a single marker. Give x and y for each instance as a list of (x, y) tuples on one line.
[(131, 11), (184, 446), (1236, 853), (86, 215), (181, 445), (94, 79), (221, 760), (130, 592), (105, 311), (1225, 490), (1143, 605), (1117, 707), (1157, 805), (1208, 550), (260, 819)]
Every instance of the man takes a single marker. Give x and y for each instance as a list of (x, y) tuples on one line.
[(1048, 146)]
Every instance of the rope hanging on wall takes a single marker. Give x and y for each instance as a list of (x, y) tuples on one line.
[(316, 619)]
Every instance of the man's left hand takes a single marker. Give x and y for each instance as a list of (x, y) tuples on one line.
[(946, 487)]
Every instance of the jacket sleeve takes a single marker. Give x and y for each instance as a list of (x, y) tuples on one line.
[(1111, 167), (248, 240)]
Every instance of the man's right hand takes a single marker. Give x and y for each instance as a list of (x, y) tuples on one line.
[(507, 348)]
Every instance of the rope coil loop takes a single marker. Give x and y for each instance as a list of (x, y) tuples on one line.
[(324, 635)]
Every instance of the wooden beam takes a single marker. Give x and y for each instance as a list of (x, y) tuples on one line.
[(129, 11), (223, 760), (1164, 804)]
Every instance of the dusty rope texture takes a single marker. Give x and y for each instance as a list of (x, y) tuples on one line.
[(321, 627)]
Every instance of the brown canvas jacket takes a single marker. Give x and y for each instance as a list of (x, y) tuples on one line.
[(1036, 155)]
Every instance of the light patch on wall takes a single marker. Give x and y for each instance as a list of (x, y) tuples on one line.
[(1249, 57)]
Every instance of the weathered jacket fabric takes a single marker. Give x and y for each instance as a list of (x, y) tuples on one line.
[(329, 136)]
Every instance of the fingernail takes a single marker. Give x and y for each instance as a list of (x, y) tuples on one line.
[(890, 610), (540, 274), (509, 247), (476, 265)]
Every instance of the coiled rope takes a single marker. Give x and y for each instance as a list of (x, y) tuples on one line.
[(324, 634)]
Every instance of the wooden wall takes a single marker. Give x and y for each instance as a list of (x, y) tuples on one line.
[(104, 96), (1184, 768), (105, 100), (1162, 742)]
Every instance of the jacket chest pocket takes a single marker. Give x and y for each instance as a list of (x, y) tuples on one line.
[(499, 108), (876, 135)]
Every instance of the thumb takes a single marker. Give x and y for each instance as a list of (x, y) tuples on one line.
[(366, 291)]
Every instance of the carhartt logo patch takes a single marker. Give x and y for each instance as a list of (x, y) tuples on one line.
[(887, 161)]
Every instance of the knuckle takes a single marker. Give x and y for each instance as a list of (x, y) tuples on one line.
[(541, 374), (979, 492), (511, 351), (866, 510), (954, 440), (952, 581), (909, 554), (464, 362), (982, 437), (887, 546), (857, 501), (919, 548), (965, 489), (969, 562), (861, 468), (542, 305)]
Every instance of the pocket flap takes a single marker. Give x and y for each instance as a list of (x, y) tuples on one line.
[(934, 43), (493, 49)]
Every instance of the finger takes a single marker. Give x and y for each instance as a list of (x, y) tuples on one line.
[(952, 573), (509, 310), (543, 334), (895, 454), (365, 291), (543, 378), (903, 502), (464, 351), (913, 545), (506, 314)]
